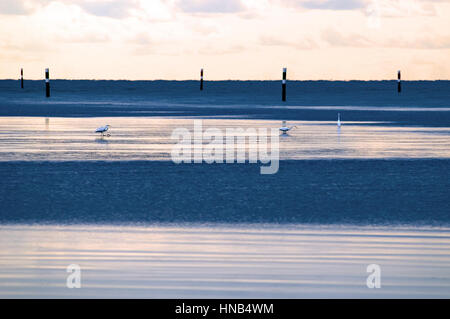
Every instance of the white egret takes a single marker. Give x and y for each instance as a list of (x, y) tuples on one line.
[(284, 128), (103, 129), (339, 120)]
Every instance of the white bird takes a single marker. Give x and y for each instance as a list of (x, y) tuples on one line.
[(339, 120), (285, 128), (103, 129)]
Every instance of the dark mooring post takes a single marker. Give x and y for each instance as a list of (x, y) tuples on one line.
[(283, 86), (399, 81), (47, 83), (21, 78), (201, 80)]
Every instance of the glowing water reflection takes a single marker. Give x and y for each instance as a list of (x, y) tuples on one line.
[(201, 261), (141, 138)]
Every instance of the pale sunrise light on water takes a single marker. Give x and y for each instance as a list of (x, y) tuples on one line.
[(141, 138), (223, 261)]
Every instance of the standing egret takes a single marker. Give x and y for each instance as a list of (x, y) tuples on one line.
[(103, 129), (284, 128), (339, 120)]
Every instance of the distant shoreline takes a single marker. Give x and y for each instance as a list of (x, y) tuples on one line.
[(229, 80)]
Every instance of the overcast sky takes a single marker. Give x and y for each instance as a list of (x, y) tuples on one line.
[(231, 39)]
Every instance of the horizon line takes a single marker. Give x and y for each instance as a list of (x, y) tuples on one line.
[(224, 80)]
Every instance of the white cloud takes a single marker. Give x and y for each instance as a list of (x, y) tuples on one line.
[(108, 8), (333, 4), (210, 6), (13, 7)]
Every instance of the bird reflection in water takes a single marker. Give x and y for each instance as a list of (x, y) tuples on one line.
[(101, 140)]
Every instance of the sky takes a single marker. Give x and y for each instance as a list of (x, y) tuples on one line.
[(230, 39)]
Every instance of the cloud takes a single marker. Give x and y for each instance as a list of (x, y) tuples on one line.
[(332, 38), (337, 39), (425, 43), (210, 6), (13, 7), (102, 8), (75, 38), (401, 8), (385, 8), (141, 38), (303, 44), (110, 8), (232, 49), (333, 4)]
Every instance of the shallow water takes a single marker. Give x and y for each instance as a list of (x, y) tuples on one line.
[(220, 261), (421, 103), (356, 192), (375, 191), (144, 138)]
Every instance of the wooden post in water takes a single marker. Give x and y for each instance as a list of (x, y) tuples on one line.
[(399, 81), (21, 78), (283, 86), (201, 80), (47, 83)]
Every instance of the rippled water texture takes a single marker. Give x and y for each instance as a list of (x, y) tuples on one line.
[(375, 191), (143, 138), (189, 261)]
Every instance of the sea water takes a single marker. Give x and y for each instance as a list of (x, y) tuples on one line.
[(373, 192)]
